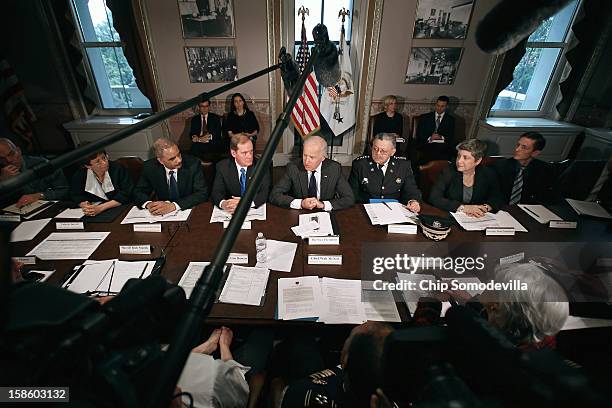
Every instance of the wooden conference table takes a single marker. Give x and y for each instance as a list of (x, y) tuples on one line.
[(196, 240)]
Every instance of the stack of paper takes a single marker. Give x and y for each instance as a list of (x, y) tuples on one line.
[(68, 245), (28, 230), (314, 225), (280, 255), (107, 277), (588, 208), (190, 277), (254, 214), (71, 213), (539, 213), (299, 298), (245, 286), (389, 213), (137, 215), (500, 220)]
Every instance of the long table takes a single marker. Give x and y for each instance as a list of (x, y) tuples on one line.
[(196, 240)]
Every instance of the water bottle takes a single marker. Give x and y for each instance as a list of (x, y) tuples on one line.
[(260, 248)]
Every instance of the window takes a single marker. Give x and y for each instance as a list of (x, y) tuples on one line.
[(108, 68), (540, 67), (326, 12)]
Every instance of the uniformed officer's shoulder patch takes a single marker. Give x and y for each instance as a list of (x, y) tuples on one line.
[(363, 157), (400, 158)]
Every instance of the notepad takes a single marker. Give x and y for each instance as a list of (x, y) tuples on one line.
[(245, 286), (588, 208)]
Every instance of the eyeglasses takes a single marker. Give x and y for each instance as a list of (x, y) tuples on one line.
[(380, 151)]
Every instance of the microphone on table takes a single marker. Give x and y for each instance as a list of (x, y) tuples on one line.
[(327, 67), (509, 22)]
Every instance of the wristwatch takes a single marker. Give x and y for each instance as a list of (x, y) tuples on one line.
[(460, 208), (42, 196)]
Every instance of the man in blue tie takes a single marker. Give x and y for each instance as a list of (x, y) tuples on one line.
[(233, 176), (170, 181)]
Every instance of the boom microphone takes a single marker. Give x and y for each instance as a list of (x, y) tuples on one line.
[(289, 69), (511, 21), (327, 68)]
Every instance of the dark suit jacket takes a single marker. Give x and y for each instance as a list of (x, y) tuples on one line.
[(121, 181), (398, 182), (227, 182), (426, 127), (294, 185), (191, 183), (447, 191), (539, 181), (578, 180), (218, 144)]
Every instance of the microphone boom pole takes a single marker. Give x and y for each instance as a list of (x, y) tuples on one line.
[(204, 293)]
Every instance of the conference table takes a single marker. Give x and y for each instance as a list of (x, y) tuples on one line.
[(196, 240)]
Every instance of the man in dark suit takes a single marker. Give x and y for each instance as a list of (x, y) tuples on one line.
[(435, 135), (315, 182), (234, 175), (524, 179), (383, 175), (206, 134), (175, 182), (588, 180)]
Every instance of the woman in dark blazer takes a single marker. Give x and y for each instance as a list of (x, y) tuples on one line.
[(100, 181), (241, 120), (466, 187)]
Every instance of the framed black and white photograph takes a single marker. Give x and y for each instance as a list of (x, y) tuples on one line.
[(207, 18), (433, 66), (211, 64), (442, 18)]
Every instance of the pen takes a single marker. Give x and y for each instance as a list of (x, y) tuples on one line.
[(531, 212), (387, 205)]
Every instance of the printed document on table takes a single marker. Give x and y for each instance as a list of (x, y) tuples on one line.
[(28, 230), (588, 208), (539, 213), (379, 306), (341, 301), (505, 219), (304, 230), (123, 271), (71, 213), (138, 215), (299, 297), (489, 220), (191, 275), (90, 276), (108, 276), (280, 255), (389, 213), (323, 220), (68, 245), (245, 285), (254, 214)]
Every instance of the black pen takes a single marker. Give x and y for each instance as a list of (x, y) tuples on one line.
[(387, 205), (531, 212)]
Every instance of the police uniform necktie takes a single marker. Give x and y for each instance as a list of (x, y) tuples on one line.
[(242, 181), (380, 169), (173, 187), (312, 185), (517, 188)]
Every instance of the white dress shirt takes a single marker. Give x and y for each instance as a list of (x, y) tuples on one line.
[(238, 168), (296, 204), (168, 182), (93, 186), (441, 117)]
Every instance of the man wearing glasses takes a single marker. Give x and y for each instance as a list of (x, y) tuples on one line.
[(384, 176)]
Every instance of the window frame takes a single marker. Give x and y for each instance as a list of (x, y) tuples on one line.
[(547, 103), (89, 72)]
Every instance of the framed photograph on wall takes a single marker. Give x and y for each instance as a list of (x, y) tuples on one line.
[(211, 64), (207, 18), (433, 66), (447, 19)]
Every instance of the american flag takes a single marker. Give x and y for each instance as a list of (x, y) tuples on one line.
[(305, 114)]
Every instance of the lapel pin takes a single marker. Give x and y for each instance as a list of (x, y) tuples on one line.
[(398, 180)]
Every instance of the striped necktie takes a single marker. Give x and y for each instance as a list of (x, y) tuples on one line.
[(517, 188), (242, 181)]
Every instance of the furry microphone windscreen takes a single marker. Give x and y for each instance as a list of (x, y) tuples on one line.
[(327, 68), (511, 21)]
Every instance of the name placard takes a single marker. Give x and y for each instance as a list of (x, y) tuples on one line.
[(324, 259), (10, 218), (500, 231), (26, 260), (512, 258), (329, 240), (245, 225), (135, 249), (69, 225), (563, 224), (147, 228), (236, 258), (410, 229)]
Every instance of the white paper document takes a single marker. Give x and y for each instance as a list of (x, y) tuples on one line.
[(108, 276), (245, 285), (190, 277), (379, 306), (539, 213), (588, 208), (138, 215), (389, 213), (299, 297), (280, 255), (304, 230), (68, 245), (500, 220), (28, 230), (323, 221), (254, 214), (28, 208), (71, 213)]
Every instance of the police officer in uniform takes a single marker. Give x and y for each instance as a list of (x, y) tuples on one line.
[(384, 176)]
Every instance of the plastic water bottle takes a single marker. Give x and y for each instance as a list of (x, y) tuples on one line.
[(260, 248)]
